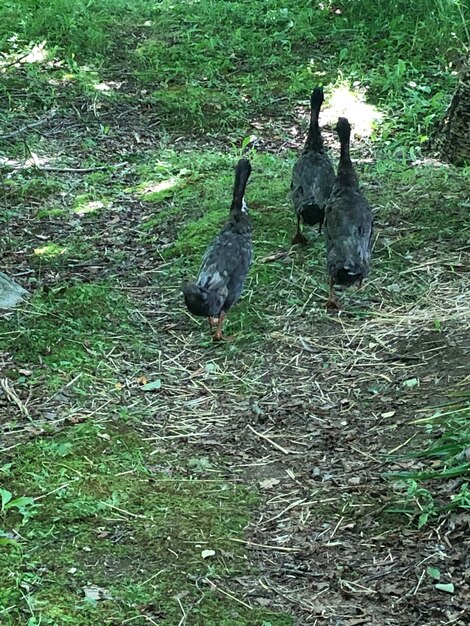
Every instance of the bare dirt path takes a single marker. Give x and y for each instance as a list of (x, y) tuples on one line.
[(310, 413)]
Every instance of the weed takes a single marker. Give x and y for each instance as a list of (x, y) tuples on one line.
[(448, 452)]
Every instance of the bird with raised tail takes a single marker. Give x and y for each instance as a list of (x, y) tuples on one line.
[(313, 175), (348, 223), (226, 261)]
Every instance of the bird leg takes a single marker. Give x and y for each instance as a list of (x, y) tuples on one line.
[(359, 285), (299, 237), (332, 303), (218, 332), (212, 321)]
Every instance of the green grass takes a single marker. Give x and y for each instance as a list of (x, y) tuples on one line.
[(140, 536), (68, 329), (443, 456), (108, 509), (218, 66)]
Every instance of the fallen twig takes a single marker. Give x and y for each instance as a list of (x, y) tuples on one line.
[(226, 593), (22, 129), (273, 443), (66, 170)]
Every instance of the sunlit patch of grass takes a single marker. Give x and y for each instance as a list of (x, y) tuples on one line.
[(50, 250), (83, 205)]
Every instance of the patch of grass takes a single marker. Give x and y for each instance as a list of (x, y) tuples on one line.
[(444, 457), (109, 513), (67, 329)]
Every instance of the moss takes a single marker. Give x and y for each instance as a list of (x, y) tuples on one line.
[(67, 328), (107, 517)]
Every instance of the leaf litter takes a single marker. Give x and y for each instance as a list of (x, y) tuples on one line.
[(309, 413)]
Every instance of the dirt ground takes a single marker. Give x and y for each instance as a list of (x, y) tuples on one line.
[(314, 415)]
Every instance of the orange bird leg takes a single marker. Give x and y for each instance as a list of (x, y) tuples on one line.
[(332, 304), (218, 332)]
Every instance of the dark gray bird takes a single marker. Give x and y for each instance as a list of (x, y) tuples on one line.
[(226, 261), (348, 223), (313, 175)]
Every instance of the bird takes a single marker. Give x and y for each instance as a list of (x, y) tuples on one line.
[(226, 261), (313, 174), (348, 223)]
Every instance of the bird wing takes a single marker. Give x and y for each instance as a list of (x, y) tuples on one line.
[(224, 260), (312, 178)]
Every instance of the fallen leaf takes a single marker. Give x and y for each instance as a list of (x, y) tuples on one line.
[(206, 554), (142, 380), (25, 372), (94, 593), (388, 414), (433, 572), (104, 436), (269, 483), (410, 382), (447, 587), (153, 386)]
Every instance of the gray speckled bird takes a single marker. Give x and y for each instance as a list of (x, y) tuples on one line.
[(348, 223), (226, 261), (313, 175)]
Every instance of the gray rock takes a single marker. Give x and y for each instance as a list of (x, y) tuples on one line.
[(10, 292)]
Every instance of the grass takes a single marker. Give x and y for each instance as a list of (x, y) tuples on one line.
[(174, 93), (67, 330), (443, 457), (141, 539)]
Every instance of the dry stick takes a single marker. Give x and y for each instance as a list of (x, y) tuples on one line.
[(226, 593), (402, 445), (288, 508), (11, 63), (65, 170), (273, 443), (22, 129), (116, 508), (263, 545), (13, 398)]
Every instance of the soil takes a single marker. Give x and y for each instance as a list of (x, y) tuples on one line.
[(315, 419)]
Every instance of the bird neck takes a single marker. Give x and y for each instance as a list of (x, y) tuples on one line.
[(346, 174), (314, 139)]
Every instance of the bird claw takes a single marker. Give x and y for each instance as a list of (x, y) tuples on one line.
[(332, 305), (299, 238)]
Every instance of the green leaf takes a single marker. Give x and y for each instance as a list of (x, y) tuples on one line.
[(410, 382), (433, 572), (152, 386), (19, 503), (5, 541), (447, 587), (6, 496)]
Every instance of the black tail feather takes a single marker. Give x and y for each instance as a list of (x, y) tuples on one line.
[(197, 300), (347, 278)]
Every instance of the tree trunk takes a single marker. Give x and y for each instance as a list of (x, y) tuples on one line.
[(453, 140), (10, 293)]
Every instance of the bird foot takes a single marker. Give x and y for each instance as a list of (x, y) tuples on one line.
[(299, 238), (332, 305), (221, 337)]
